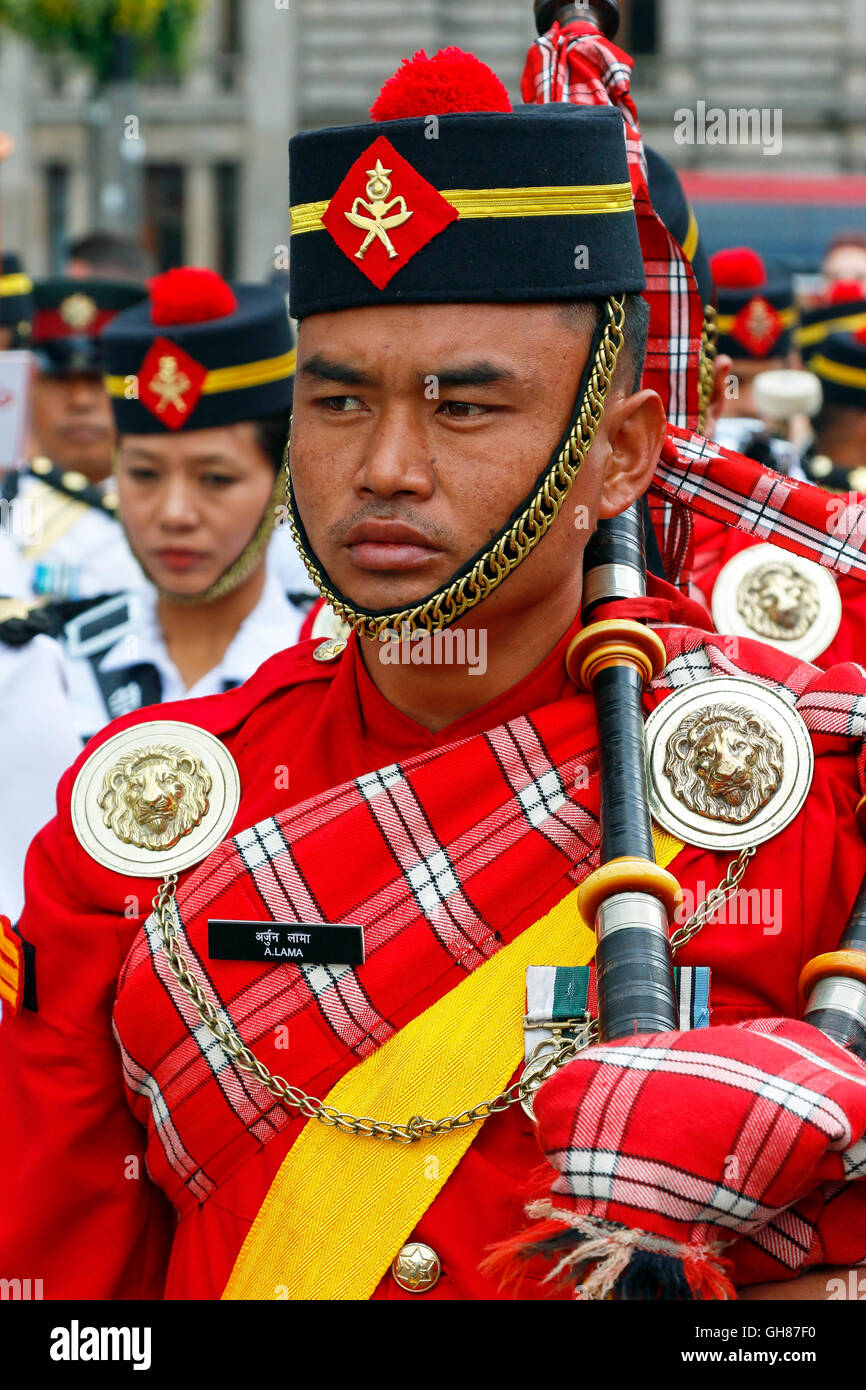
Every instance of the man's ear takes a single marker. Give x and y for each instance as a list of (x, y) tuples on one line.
[(635, 434)]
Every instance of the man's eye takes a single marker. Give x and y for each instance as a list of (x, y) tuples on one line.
[(340, 404), (217, 479), (143, 475), (461, 410)]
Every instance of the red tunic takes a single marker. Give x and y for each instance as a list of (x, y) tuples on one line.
[(79, 1210)]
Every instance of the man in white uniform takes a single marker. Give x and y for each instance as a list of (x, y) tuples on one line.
[(71, 545)]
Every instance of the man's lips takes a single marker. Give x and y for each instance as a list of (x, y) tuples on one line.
[(388, 545)]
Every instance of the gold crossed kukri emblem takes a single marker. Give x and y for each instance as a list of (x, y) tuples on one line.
[(378, 216), (170, 384)]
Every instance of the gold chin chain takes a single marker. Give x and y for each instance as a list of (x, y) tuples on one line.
[(417, 1127), (522, 536), (707, 364)]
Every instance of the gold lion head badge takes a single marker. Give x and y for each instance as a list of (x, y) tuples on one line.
[(777, 601), (723, 762), (154, 796)]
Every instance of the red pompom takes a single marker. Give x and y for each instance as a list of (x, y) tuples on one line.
[(451, 81), (739, 268), (860, 335), (844, 291), (190, 294)]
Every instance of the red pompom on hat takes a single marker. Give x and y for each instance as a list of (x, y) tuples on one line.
[(844, 291), (739, 268), (190, 294), (450, 82)]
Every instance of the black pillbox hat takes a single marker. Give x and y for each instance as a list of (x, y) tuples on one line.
[(530, 205), (218, 354)]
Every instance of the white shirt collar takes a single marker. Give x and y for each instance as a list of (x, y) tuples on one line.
[(273, 625)]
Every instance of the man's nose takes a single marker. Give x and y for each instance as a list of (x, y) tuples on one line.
[(396, 457)]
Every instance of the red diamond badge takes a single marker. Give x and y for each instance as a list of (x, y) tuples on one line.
[(170, 382), (757, 326), (384, 212)]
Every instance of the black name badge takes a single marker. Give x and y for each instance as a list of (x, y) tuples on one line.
[(286, 943)]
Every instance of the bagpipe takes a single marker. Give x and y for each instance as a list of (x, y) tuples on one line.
[(588, 1229), (629, 898)]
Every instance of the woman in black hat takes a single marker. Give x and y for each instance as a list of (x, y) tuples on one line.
[(200, 377)]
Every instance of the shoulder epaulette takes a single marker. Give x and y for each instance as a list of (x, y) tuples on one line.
[(71, 483), (22, 620), (220, 713)]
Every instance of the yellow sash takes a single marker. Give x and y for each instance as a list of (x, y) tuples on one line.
[(341, 1206)]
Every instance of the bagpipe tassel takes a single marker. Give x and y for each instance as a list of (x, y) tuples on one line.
[(605, 1261)]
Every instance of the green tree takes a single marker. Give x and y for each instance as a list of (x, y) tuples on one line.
[(91, 30), (118, 41)]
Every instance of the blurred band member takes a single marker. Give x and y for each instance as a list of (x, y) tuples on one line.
[(69, 539), (16, 303), (110, 256), (756, 315)]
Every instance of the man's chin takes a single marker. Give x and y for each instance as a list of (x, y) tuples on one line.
[(388, 590)]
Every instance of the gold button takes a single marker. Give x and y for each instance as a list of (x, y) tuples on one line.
[(41, 466), (74, 481), (330, 649), (857, 479), (110, 500), (416, 1268)]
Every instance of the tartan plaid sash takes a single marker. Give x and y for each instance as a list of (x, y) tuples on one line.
[(742, 494), (440, 881)]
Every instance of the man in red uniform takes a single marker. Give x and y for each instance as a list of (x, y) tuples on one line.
[(755, 590), (432, 805)]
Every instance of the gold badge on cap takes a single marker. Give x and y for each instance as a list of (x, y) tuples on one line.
[(729, 763), (170, 384), (779, 598), (155, 799), (78, 310)]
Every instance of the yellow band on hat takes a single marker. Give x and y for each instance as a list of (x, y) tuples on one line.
[(690, 243), (227, 378), (787, 317), (15, 284), (817, 332), (546, 201), (839, 372)]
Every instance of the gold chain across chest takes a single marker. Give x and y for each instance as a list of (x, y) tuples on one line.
[(164, 908)]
